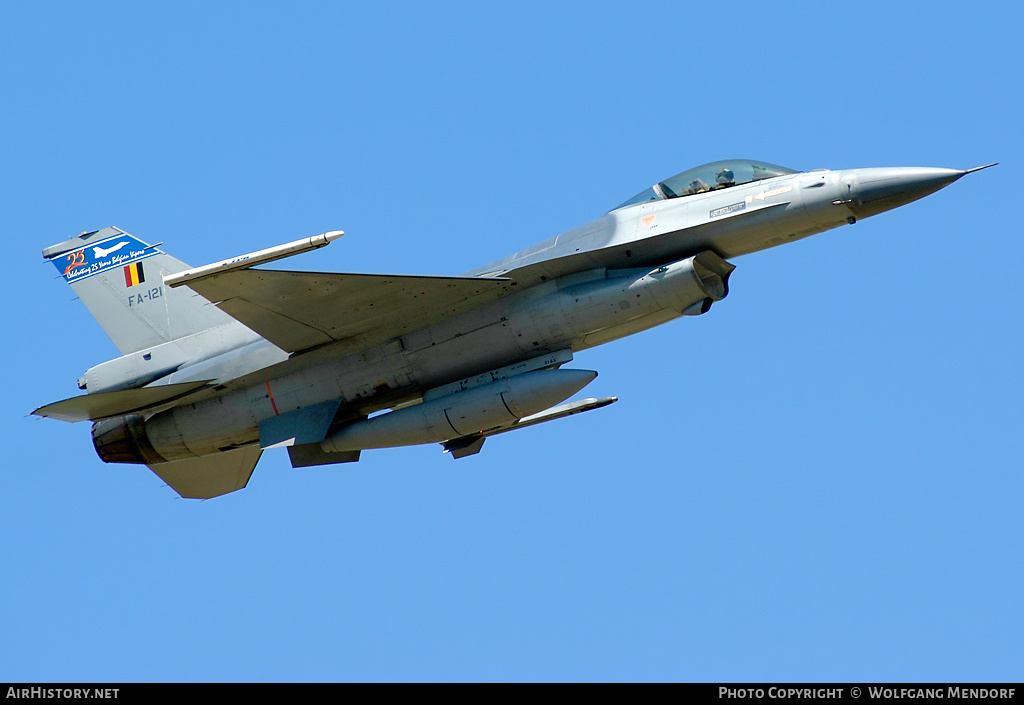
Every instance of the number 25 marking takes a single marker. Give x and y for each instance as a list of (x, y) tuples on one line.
[(76, 258)]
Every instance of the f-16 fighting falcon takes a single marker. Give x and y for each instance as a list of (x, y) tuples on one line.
[(223, 361)]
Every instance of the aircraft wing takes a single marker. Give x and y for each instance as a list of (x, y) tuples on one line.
[(300, 310)]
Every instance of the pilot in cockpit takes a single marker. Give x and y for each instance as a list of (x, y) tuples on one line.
[(696, 186), (725, 178)]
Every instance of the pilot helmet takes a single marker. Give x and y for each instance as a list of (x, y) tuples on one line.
[(725, 176)]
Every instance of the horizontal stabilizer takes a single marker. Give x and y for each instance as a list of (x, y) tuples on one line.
[(105, 405), (299, 310), (210, 475)]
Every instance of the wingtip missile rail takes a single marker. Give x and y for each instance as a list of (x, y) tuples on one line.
[(270, 254)]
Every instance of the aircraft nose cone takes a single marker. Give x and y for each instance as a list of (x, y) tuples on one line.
[(873, 191)]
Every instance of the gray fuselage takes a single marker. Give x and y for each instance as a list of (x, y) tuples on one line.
[(629, 270)]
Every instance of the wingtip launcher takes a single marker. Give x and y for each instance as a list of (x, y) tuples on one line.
[(253, 258)]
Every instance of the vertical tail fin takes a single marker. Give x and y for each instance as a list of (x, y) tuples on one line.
[(119, 278)]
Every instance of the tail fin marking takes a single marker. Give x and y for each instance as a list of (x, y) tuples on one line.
[(119, 278)]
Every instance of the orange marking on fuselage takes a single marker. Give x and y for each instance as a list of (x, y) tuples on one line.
[(272, 402)]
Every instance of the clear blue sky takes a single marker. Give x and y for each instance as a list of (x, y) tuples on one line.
[(821, 479)]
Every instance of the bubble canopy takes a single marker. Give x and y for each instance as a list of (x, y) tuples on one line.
[(709, 177)]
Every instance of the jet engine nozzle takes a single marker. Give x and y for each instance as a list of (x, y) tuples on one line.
[(123, 440)]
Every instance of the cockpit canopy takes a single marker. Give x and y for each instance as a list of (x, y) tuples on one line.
[(710, 177)]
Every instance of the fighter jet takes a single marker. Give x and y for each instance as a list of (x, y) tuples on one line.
[(224, 361)]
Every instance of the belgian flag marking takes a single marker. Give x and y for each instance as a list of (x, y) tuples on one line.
[(133, 274)]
